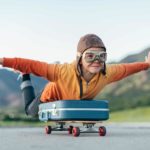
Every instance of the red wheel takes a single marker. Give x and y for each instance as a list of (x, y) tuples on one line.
[(48, 129), (102, 131), (70, 129), (76, 131)]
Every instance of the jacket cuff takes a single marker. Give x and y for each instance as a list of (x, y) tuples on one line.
[(8, 62)]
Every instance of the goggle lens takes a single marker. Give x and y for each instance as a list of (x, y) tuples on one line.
[(91, 56)]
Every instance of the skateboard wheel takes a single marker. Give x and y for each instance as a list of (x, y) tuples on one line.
[(70, 129), (76, 131), (48, 129), (102, 131)]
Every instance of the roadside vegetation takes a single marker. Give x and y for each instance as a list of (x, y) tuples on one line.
[(14, 119)]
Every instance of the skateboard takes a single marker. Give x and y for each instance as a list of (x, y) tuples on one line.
[(67, 114)]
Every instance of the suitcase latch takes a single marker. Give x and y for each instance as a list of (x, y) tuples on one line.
[(54, 110)]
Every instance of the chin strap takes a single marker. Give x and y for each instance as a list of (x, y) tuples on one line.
[(80, 82), (81, 87), (104, 69)]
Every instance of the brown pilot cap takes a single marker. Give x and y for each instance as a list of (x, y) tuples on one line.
[(88, 41)]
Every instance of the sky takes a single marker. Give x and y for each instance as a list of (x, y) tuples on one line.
[(49, 30)]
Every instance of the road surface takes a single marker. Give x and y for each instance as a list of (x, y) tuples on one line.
[(119, 137)]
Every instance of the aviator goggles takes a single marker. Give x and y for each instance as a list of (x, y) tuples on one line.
[(93, 55)]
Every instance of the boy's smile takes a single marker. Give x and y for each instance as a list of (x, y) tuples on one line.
[(94, 67)]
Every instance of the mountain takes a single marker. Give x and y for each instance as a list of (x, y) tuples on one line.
[(10, 92), (136, 57), (132, 91)]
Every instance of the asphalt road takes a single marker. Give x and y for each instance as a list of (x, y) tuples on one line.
[(119, 137)]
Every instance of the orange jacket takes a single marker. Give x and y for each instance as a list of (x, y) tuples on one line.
[(64, 78)]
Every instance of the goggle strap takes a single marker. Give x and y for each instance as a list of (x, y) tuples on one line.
[(79, 54)]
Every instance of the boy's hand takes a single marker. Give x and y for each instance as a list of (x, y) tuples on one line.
[(147, 59), (1, 61)]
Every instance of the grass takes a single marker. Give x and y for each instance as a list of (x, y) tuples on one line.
[(141, 114)]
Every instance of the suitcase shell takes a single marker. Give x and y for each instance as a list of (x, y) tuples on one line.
[(74, 110)]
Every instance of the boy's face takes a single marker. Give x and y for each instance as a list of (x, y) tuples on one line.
[(93, 59)]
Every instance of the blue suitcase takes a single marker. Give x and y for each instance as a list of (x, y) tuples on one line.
[(74, 110)]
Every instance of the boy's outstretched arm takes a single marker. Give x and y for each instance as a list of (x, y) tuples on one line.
[(43, 69), (116, 72)]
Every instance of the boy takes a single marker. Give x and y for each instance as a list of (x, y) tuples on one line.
[(82, 79)]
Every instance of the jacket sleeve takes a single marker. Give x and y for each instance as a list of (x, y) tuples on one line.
[(48, 71), (116, 72)]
